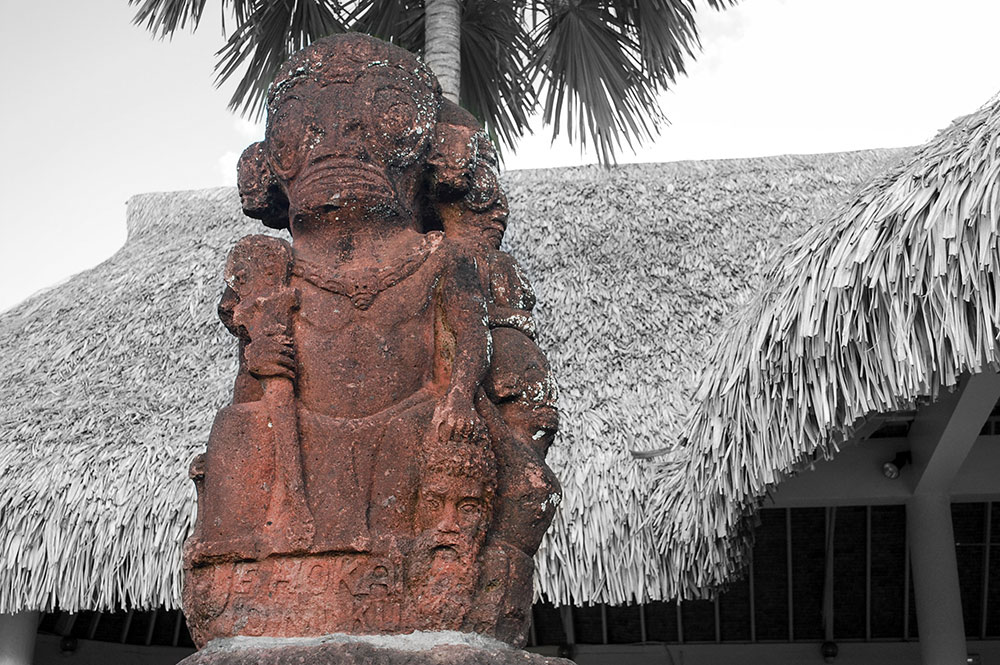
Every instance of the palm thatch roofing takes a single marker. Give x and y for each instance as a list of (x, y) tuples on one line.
[(111, 380), (884, 304)]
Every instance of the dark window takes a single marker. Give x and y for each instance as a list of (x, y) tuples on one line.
[(993, 601), (969, 523), (849, 568), (888, 575), (548, 624), (624, 625), (770, 576), (699, 620), (734, 612), (808, 565), (588, 625), (661, 621)]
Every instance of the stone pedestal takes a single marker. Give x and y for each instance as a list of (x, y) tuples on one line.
[(413, 649)]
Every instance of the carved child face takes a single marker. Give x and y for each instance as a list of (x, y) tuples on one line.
[(246, 281), (485, 229), (521, 385), (347, 127), (484, 206), (258, 265), (451, 514)]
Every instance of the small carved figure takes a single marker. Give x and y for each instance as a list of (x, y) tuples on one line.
[(519, 408), (258, 304), (257, 307), (259, 271), (474, 211), (524, 420)]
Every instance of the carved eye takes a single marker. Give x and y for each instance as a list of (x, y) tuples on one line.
[(238, 279), (432, 503), (395, 111), (402, 114), (485, 189), (469, 506), (286, 131)]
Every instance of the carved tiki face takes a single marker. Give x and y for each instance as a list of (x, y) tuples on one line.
[(455, 498), (466, 173), (521, 384), (349, 122), (258, 265), (451, 514)]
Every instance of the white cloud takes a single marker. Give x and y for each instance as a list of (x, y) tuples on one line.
[(227, 167), (252, 131)]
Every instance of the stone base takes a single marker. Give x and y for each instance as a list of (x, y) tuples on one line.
[(443, 648)]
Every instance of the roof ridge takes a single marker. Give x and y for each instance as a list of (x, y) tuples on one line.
[(150, 210)]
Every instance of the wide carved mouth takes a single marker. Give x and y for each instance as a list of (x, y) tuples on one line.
[(446, 552), (447, 540), (334, 182)]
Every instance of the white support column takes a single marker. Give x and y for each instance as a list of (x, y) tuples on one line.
[(17, 638), (941, 437), (935, 580)]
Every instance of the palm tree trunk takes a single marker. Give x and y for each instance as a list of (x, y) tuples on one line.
[(442, 43)]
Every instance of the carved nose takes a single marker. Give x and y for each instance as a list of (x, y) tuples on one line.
[(449, 520), (342, 138), (349, 127)]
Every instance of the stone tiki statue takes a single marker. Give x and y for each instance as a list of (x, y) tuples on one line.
[(381, 468)]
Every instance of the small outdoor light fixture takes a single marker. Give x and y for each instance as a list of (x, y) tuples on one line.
[(829, 651), (891, 468)]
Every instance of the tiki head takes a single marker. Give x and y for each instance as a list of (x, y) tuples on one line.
[(455, 499), (349, 122)]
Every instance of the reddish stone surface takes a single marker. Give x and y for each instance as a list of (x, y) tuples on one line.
[(381, 468)]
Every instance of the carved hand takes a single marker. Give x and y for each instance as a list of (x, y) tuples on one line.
[(271, 355), (455, 417)]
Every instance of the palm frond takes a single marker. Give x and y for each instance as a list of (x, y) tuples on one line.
[(599, 64), (270, 33), (593, 78), (663, 32), (164, 17), (241, 9), (495, 88), (400, 23)]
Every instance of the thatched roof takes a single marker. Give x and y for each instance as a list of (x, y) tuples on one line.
[(111, 380), (886, 303)]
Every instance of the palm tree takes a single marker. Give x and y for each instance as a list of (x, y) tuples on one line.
[(596, 67)]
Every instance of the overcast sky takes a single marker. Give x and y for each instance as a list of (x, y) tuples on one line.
[(94, 110)]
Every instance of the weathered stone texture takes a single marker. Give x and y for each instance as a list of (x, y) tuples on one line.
[(381, 468)]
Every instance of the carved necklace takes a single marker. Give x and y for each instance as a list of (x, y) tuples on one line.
[(362, 285)]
